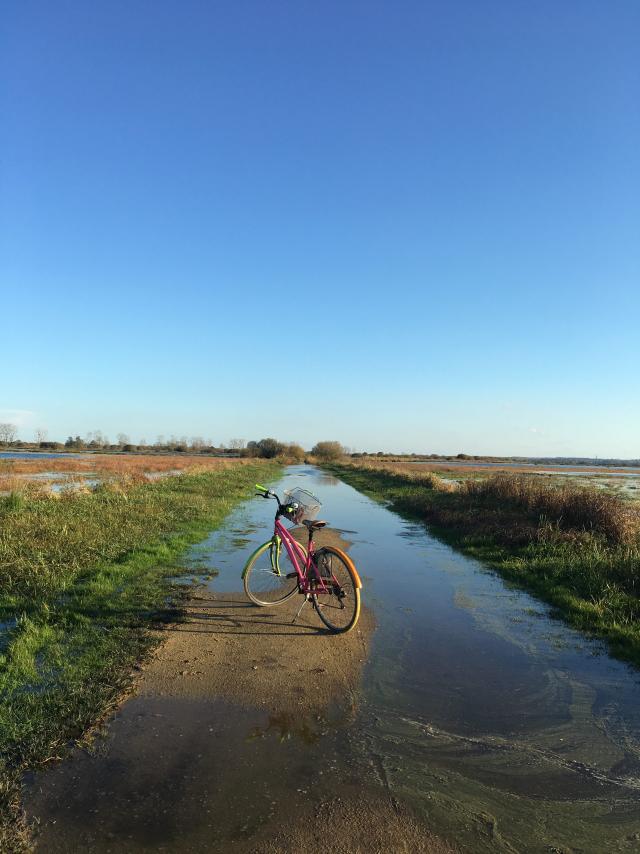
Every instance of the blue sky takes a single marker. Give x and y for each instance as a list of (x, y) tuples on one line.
[(407, 226)]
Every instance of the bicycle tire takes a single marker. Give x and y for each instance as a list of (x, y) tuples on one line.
[(339, 612), (264, 586)]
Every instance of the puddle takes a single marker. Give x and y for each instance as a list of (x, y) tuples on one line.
[(501, 728)]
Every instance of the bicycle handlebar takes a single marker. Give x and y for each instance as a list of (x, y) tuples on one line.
[(266, 493)]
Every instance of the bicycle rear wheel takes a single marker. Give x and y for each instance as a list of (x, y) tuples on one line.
[(339, 605), (270, 577)]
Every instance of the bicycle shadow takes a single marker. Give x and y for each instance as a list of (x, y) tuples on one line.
[(233, 614)]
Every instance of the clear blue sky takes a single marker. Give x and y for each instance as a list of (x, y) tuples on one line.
[(404, 225)]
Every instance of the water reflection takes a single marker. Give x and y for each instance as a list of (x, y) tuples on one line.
[(285, 725), (326, 479)]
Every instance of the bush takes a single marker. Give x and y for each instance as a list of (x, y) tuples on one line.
[(270, 448), (328, 450), (295, 452)]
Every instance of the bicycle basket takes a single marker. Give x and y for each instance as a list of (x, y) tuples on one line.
[(300, 505)]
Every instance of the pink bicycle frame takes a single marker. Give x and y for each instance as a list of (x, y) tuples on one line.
[(296, 553)]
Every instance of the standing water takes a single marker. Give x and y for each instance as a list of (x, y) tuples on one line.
[(500, 727)]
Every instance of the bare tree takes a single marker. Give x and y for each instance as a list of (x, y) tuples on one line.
[(41, 435), (8, 433), (143, 442), (236, 444), (122, 439)]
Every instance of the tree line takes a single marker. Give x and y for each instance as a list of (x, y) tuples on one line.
[(96, 440)]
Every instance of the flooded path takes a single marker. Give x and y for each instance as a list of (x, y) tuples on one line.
[(496, 726)]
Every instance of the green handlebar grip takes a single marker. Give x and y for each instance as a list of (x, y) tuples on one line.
[(260, 486)]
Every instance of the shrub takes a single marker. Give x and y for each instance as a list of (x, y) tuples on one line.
[(269, 448), (328, 450), (295, 452)]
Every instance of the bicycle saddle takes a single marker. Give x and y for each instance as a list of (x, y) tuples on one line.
[(313, 525)]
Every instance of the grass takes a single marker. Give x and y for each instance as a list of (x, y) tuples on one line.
[(575, 547), (84, 578), (30, 475)]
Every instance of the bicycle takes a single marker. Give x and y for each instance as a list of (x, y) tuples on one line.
[(326, 577)]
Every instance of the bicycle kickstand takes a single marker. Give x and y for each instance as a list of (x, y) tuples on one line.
[(304, 602)]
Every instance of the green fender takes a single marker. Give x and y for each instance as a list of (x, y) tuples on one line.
[(257, 552)]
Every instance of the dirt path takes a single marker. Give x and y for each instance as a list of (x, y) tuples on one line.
[(230, 742)]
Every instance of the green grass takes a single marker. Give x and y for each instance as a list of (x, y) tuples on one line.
[(582, 564), (83, 580)]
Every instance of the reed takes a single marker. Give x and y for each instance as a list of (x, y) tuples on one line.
[(569, 506)]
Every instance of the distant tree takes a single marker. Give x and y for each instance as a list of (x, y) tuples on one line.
[(270, 448), (236, 444), (76, 443), (122, 439), (142, 443), (8, 433), (129, 447), (41, 435), (328, 450)]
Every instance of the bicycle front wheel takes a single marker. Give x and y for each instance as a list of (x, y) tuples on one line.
[(338, 606), (270, 577)]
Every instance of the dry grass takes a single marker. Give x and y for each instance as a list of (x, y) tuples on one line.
[(404, 472), (566, 505), (115, 463), (21, 476), (489, 466)]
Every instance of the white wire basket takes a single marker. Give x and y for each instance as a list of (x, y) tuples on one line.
[(302, 505)]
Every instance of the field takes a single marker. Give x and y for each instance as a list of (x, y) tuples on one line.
[(40, 474), (622, 480), (85, 574), (574, 545)]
